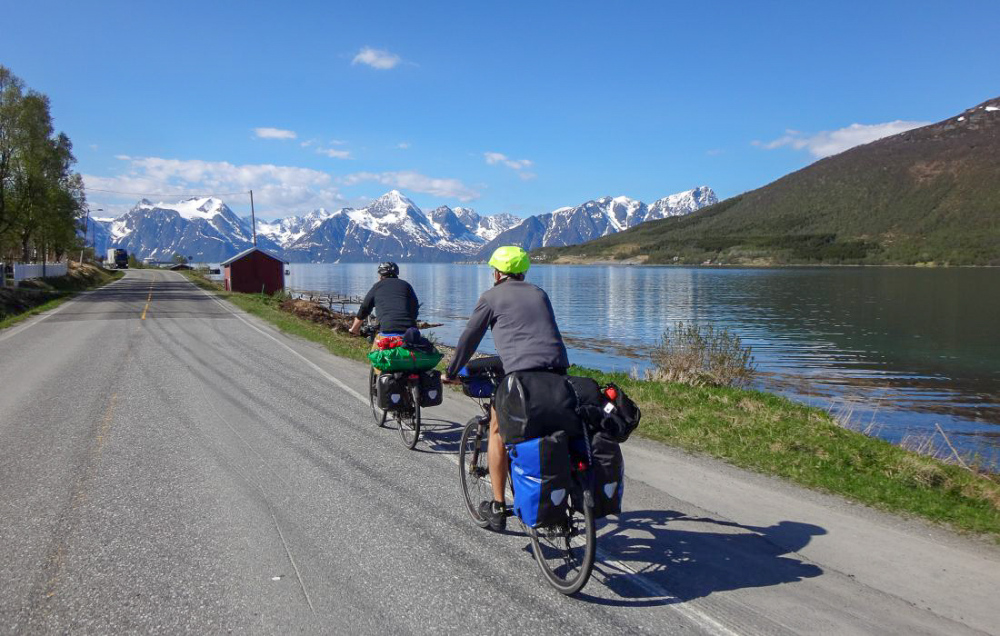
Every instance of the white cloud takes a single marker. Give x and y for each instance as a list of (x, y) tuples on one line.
[(831, 142), (494, 158), (278, 190), (274, 133), (333, 153), (518, 165), (403, 145), (416, 182), (376, 58)]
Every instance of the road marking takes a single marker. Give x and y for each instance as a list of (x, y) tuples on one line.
[(148, 300), (298, 355), (685, 608), (57, 559), (294, 567)]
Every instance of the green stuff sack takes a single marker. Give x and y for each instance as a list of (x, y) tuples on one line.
[(400, 359)]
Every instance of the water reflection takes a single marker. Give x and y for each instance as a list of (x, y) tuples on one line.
[(919, 346)]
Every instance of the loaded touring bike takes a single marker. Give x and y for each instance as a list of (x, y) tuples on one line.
[(401, 394), (565, 550)]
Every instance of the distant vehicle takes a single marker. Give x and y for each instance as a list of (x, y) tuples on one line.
[(117, 258)]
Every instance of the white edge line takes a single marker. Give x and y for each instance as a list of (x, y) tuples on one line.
[(693, 614), (312, 364), (40, 317)]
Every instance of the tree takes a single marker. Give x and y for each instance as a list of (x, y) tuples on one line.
[(41, 199), (178, 259)]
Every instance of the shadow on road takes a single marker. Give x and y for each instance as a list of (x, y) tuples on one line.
[(691, 557)]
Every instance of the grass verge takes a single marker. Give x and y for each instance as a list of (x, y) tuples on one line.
[(19, 304), (773, 435), (757, 431)]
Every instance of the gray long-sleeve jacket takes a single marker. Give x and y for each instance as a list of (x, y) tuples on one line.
[(524, 329)]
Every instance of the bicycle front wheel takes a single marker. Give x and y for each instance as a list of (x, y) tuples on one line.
[(474, 470), (377, 413), (565, 551), (409, 420)]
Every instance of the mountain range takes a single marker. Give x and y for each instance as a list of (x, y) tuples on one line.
[(928, 195), (391, 227)]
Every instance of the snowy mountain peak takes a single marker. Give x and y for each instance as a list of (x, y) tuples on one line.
[(682, 203), (392, 202), (190, 209)]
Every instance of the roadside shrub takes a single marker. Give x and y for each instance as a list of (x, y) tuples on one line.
[(702, 355)]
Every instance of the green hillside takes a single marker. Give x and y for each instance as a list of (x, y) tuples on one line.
[(929, 195)]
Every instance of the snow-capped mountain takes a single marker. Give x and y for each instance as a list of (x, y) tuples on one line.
[(98, 234), (202, 228), (682, 203), (596, 218), (290, 229), (391, 227), (486, 227)]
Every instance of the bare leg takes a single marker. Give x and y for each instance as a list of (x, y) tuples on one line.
[(496, 457)]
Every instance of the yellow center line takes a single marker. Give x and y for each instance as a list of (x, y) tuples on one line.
[(148, 300)]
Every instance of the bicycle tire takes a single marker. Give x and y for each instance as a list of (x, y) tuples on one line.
[(408, 422), (474, 478), (568, 567), (377, 413)]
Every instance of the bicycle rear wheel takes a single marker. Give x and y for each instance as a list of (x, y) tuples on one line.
[(473, 468), (565, 552), (408, 421), (377, 413)]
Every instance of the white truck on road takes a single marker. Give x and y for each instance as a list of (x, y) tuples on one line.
[(117, 258)]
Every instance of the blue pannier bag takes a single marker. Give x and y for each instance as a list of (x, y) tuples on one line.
[(539, 470)]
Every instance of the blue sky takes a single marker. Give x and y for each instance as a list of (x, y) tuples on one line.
[(519, 107)]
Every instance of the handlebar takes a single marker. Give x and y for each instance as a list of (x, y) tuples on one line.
[(488, 366)]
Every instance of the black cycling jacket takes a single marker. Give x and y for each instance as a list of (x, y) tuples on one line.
[(395, 303)]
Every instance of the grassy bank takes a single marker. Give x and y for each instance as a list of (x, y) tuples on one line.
[(39, 295), (761, 432)]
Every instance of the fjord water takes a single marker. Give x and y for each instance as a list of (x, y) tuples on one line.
[(900, 349)]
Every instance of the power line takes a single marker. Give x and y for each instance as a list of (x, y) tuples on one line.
[(168, 194)]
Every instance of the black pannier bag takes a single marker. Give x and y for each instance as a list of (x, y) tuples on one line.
[(609, 475), (605, 408), (431, 392), (621, 414), (532, 404), (589, 401), (390, 389)]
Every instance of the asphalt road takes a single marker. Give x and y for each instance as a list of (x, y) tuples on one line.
[(169, 464)]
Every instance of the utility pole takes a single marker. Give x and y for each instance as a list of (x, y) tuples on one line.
[(253, 220), (86, 233)]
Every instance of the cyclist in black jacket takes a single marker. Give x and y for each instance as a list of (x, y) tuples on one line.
[(393, 300)]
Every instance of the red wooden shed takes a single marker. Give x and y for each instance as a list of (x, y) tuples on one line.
[(254, 271)]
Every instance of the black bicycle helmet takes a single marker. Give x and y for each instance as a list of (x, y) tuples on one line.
[(388, 268)]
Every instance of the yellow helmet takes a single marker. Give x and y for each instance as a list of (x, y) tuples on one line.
[(510, 259)]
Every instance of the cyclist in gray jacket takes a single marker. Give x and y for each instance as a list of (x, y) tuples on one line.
[(527, 338)]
